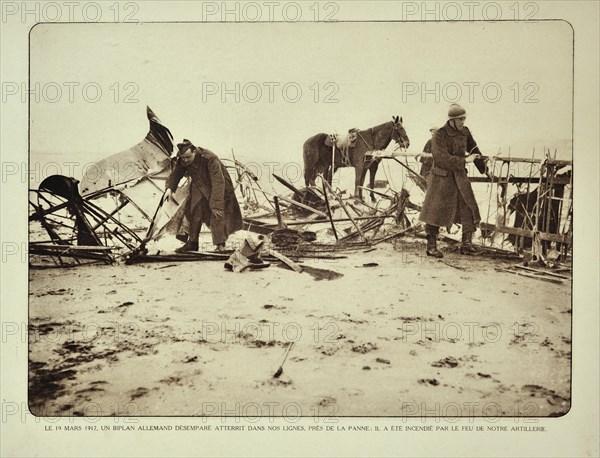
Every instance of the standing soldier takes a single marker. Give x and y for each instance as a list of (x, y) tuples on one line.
[(426, 158), (449, 198), (212, 198)]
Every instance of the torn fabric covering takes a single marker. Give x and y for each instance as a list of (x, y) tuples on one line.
[(171, 217), (147, 158), (248, 255), (140, 172)]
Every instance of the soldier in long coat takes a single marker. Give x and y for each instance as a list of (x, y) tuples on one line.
[(449, 198), (426, 158), (212, 198)]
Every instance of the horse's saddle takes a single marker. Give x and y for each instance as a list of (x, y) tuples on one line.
[(343, 143)]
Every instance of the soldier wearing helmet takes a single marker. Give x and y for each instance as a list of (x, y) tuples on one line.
[(449, 198), (426, 158)]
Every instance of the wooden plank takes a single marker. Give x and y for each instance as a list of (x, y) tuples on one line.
[(364, 188), (71, 254), (529, 160), (170, 257), (526, 160), (293, 202), (296, 191), (543, 272), (539, 277), (419, 180), (70, 247), (558, 238), (515, 180), (338, 220), (287, 261), (341, 202), (329, 209), (258, 226), (418, 227), (305, 255), (288, 185), (280, 224)]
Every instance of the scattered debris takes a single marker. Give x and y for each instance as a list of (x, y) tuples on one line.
[(287, 261), (321, 274), (88, 222), (448, 361), (364, 348), (125, 304), (551, 396), (279, 371), (539, 275), (249, 256), (139, 392)]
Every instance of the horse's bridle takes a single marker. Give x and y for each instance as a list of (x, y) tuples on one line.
[(372, 146), (397, 129)]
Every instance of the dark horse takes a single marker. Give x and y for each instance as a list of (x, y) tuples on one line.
[(317, 155)]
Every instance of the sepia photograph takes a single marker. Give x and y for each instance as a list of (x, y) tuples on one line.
[(221, 266), (329, 228)]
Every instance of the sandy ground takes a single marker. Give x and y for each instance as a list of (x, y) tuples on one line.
[(408, 336)]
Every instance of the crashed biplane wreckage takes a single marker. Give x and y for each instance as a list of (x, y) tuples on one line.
[(113, 211), (102, 216), (117, 212)]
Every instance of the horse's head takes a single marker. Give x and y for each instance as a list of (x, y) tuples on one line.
[(398, 133)]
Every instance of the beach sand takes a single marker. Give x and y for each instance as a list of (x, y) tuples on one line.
[(409, 336)]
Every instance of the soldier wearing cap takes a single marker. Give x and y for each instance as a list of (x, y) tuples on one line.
[(212, 198), (426, 158), (449, 198)]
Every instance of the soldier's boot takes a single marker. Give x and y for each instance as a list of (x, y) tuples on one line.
[(187, 246), (467, 245), (182, 237), (432, 249), (192, 241)]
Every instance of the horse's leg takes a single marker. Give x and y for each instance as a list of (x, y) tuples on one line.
[(313, 165), (321, 168), (331, 168), (372, 172), (309, 165), (306, 177), (359, 178)]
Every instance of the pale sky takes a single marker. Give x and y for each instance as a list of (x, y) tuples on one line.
[(371, 70)]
